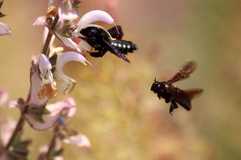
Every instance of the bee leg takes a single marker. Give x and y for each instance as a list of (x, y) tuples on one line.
[(167, 100), (98, 54), (159, 96), (173, 107)]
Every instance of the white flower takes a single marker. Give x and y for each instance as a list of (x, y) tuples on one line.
[(3, 97), (67, 17), (40, 21), (42, 84), (4, 29), (79, 140), (66, 107), (87, 19), (6, 130), (93, 17), (68, 42), (63, 58)]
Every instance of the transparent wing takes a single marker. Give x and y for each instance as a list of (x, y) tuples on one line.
[(1, 4), (184, 72), (192, 93)]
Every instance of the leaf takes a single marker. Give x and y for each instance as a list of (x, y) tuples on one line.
[(38, 112), (58, 152), (19, 150)]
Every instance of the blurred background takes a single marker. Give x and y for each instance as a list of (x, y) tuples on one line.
[(116, 109)]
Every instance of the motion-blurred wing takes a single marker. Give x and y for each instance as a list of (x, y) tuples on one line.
[(184, 72), (192, 93), (1, 4)]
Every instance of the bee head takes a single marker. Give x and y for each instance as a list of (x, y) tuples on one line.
[(158, 87)]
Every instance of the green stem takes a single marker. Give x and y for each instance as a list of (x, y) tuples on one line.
[(18, 128)]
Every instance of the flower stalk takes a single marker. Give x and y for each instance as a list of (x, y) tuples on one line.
[(21, 121), (18, 129), (47, 78), (53, 142), (53, 24)]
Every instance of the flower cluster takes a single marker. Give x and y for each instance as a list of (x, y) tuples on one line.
[(76, 36), (4, 28)]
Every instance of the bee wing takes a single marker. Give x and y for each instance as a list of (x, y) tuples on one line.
[(192, 93), (184, 72), (116, 32), (173, 106), (116, 52), (1, 4)]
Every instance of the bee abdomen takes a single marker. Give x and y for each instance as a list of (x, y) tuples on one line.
[(124, 46)]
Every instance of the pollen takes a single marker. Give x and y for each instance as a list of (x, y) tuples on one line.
[(48, 90)]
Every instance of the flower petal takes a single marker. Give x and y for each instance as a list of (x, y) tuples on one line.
[(4, 29), (94, 16), (67, 16), (44, 63), (42, 82), (79, 140), (13, 104), (84, 46), (3, 97), (7, 130), (59, 158), (48, 84), (35, 86), (68, 106), (40, 21), (67, 82), (68, 42)]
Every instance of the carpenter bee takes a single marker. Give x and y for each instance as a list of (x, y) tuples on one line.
[(107, 40), (174, 95)]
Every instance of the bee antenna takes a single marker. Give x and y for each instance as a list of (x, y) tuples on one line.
[(155, 79)]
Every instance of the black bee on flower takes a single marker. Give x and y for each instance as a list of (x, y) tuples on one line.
[(174, 95), (107, 40)]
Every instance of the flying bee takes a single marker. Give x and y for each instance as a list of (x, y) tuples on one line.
[(174, 95), (107, 40)]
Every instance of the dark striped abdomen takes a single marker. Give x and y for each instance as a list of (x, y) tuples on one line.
[(124, 46)]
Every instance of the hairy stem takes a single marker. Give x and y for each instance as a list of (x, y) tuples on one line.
[(50, 35), (21, 121), (18, 128), (53, 142)]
